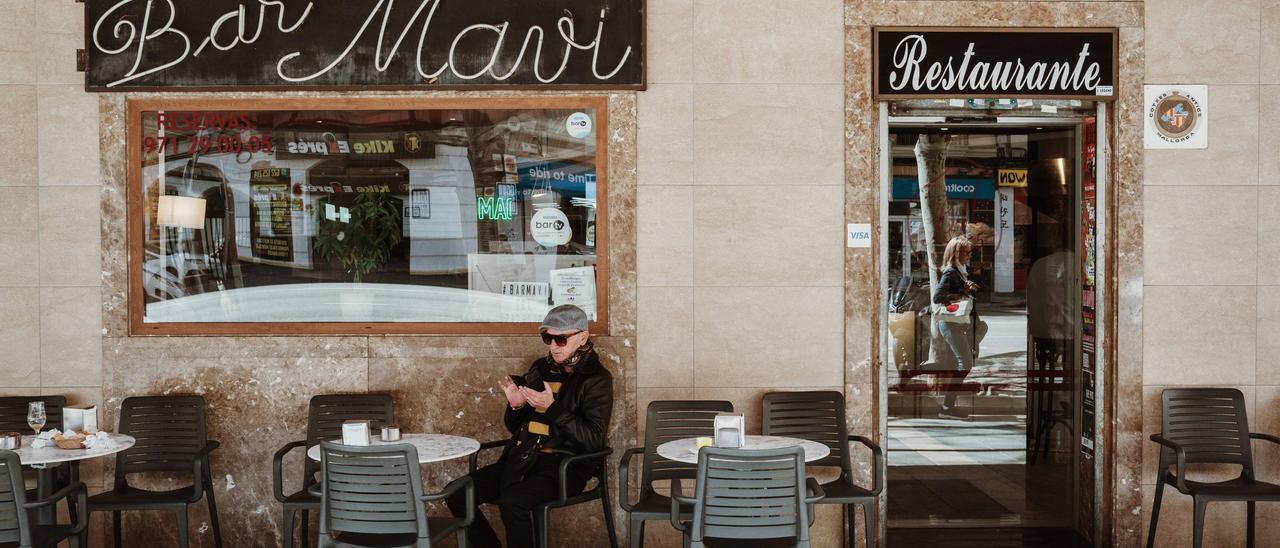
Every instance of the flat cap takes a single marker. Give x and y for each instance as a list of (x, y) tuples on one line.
[(565, 317)]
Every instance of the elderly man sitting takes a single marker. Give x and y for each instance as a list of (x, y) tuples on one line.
[(563, 402)]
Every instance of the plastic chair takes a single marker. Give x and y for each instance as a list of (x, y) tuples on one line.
[(325, 416), (542, 512), (13, 418), (664, 421), (171, 437), (746, 497), (1207, 426), (820, 416), (372, 496), (16, 528)]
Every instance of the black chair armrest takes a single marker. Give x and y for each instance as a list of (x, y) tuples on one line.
[(315, 490), (463, 482), (877, 463), (678, 498), (199, 468), (1181, 454), (55, 497), (209, 446), (277, 467), (624, 478), (1264, 437), (471, 463), (571, 458), (815, 490)]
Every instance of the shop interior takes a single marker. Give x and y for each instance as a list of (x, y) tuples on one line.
[(1003, 462)]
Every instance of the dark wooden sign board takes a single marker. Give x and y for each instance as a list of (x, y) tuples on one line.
[(139, 45), (1002, 63)]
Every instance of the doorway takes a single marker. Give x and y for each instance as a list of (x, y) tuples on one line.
[(990, 417)]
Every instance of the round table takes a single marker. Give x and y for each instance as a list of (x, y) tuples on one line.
[(682, 450), (45, 459), (431, 447)]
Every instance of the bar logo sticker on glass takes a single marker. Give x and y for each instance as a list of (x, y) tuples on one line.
[(550, 227)]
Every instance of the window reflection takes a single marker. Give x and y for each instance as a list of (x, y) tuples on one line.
[(369, 215)]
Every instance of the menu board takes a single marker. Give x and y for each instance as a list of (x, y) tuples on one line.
[(270, 217)]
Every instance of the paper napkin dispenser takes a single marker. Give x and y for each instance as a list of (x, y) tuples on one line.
[(730, 431), (355, 433), (80, 418)]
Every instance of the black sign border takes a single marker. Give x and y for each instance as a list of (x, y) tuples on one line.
[(877, 95), (642, 86)]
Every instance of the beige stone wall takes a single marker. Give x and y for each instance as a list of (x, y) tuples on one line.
[(1210, 292), (741, 207)]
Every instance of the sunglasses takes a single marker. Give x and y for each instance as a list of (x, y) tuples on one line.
[(559, 340)]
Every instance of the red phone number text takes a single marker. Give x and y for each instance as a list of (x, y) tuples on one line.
[(206, 145)]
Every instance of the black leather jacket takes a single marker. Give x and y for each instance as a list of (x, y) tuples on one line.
[(581, 411)]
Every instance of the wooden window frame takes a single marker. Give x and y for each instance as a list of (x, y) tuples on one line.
[(136, 212)]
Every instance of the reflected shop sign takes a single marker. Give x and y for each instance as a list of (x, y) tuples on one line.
[(958, 188), (1047, 63), (348, 44)]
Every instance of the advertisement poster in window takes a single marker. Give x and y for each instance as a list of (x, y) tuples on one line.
[(270, 220), (576, 286)]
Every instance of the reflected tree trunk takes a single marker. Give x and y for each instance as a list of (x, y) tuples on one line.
[(931, 160)]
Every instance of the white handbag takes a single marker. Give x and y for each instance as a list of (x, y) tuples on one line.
[(958, 311)]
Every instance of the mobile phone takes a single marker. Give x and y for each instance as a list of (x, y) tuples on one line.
[(519, 380)]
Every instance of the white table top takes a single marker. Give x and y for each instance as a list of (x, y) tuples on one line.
[(682, 450), (32, 456), (431, 447)]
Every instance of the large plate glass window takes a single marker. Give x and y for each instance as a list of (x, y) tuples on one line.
[(280, 216)]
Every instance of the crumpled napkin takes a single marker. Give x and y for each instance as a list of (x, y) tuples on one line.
[(45, 439), (100, 440)]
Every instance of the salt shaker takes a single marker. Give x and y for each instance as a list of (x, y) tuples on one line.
[(391, 432)]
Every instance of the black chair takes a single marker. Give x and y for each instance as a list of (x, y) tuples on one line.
[(16, 528), (820, 416), (1207, 426), (664, 421), (325, 416), (542, 512), (372, 496), (13, 418), (748, 498), (171, 437)]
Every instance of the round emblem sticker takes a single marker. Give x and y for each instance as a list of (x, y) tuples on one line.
[(1176, 116), (550, 227), (578, 125)]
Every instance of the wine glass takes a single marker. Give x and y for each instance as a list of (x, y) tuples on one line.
[(35, 415)]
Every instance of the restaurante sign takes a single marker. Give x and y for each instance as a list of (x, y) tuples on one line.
[(916, 62), (308, 44)]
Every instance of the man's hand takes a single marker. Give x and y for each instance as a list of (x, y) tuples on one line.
[(515, 397), (540, 400)]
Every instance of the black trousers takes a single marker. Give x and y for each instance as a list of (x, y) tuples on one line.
[(516, 502)]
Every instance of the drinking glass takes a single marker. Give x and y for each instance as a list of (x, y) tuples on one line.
[(35, 415)]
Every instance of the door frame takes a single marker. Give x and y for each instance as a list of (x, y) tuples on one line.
[(1105, 291)]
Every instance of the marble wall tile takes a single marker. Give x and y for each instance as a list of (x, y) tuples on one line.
[(1199, 335), (665, 236), (1220, 224), (768, 336), (1227, 53), (669, 42), (798, 241), (18, 42), (61, 24), (665, 348), (20, 337), (1268, 235), (1268, 345), (774, 134), (665, 135), (1269, 142), (1265, 418), (69, 236), (1270, 42), (71, 336), (1232, 156), (19, 237), (794, 42), (68, 136), (17, 153)]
